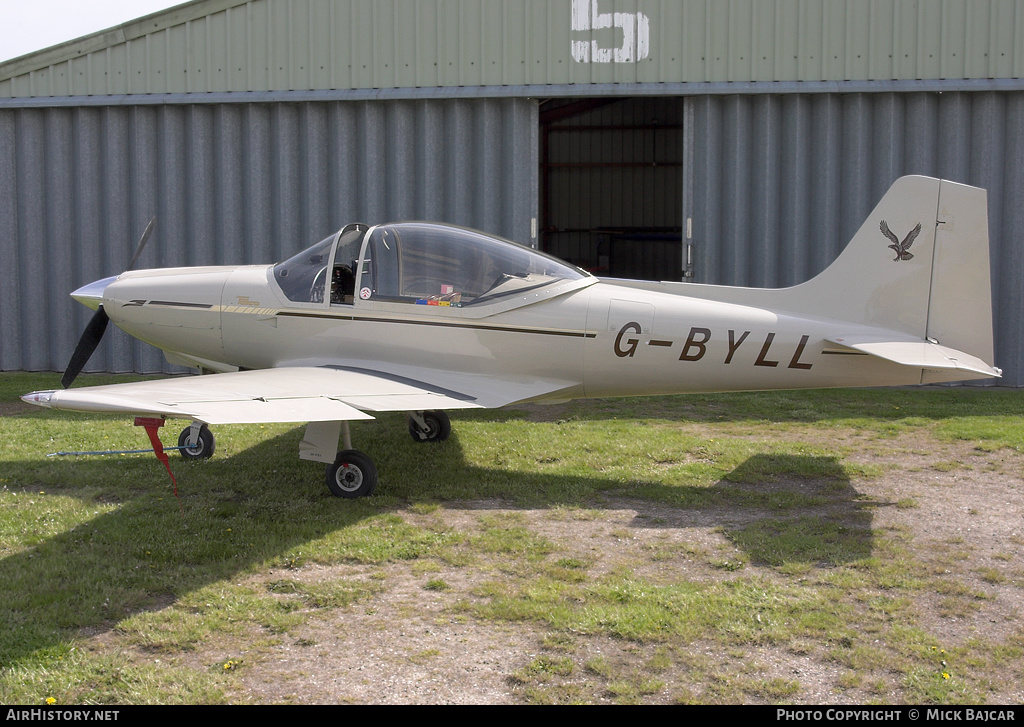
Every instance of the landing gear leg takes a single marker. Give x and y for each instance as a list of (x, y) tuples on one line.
[(352, 473)]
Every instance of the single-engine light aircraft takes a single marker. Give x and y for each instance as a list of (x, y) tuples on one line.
[(422, 318)]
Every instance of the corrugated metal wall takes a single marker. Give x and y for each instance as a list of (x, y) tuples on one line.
[(775, 185), (781, 183), (245, 183)]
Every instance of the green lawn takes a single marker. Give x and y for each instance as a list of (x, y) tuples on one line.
[(762, 540)]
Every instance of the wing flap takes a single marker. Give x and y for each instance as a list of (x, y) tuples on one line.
[(469, 390), (407, 402), (262, 411)]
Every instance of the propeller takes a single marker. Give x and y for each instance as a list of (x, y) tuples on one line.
[(142, 243), (97, 325), (86, 345)]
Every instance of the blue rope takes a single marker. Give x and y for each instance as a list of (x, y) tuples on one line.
[(125, 451)]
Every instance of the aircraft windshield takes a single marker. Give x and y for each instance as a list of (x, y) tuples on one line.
[(303, 276), (431, 264)]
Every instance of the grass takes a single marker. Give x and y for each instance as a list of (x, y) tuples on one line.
[(758, 535)]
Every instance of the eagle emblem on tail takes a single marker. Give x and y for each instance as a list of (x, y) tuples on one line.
[(902, 249)]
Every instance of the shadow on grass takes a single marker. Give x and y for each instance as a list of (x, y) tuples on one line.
[(883, 404), (144, 550)]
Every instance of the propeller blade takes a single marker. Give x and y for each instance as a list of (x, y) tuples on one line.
[(86, 345), (142, 243), (93, 333)]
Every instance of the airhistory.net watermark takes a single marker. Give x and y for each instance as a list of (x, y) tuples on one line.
[(61, 715), (944, 714)]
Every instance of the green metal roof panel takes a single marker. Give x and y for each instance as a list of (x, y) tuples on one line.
[(282, 45)]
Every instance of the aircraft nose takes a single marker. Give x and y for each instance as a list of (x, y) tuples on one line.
[(91, 295)]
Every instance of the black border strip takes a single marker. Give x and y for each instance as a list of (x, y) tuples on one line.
[(180, 304), (442, 324)]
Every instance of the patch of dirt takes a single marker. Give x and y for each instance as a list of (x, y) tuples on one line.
[(956, 509), (402, 647), (408, 644), (12, 408)]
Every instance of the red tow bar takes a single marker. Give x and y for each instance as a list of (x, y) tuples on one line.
[(152, 424)]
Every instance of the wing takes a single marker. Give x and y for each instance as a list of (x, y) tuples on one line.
[(292, 394)]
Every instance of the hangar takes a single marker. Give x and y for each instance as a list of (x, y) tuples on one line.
[(736, 143)]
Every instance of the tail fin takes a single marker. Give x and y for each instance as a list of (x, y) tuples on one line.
[(919, 265), (883, 278), (918, 269)]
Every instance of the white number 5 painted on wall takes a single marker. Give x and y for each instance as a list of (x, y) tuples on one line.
[(636, 30)]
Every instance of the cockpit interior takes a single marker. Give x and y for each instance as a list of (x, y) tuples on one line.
[(419, 264)]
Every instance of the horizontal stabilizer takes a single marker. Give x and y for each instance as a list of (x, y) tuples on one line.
[(916, 353)]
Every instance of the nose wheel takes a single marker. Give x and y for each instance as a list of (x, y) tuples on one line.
[(196, 442)]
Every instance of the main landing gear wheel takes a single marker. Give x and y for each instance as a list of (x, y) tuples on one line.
[(437, 427), (353, 474), (202, 449)]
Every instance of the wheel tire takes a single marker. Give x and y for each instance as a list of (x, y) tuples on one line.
[(439, 427), (353, 474), (203, 448)]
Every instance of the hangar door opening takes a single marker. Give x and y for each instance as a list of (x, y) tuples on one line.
[(611, 185)]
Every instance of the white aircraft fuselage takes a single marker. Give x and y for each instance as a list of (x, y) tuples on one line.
[(600, 339)]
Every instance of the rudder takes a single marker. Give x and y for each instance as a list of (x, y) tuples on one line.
[(960, 305)]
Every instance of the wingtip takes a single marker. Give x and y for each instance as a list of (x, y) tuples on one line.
[(40, 398)]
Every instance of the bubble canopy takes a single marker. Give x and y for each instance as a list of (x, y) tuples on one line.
[(422, 264)]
